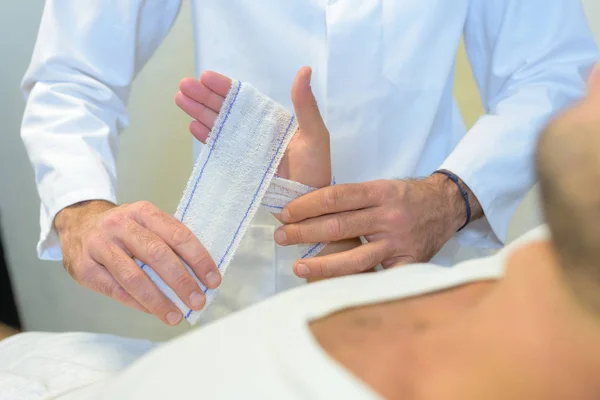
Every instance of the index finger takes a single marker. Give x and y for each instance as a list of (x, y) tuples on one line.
[(330, 200)]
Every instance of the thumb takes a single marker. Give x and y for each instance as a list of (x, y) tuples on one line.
[(306, 108)]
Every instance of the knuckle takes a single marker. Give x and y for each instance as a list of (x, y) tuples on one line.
[(411, 259), (112, 220), (159, 306), (385, 191), (133, 279), (201, 260), (86, 275), (334, 229), (95, 241), (295, 234), (157, 250), (144, 208), (324, 269), (117, 293), (181, 236), (91, 241), (358, 261), (148, 300), (373, 221), (331, 198), (394, 217), (182, 281), (361, 262)]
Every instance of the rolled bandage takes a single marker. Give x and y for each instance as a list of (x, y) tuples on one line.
[(230, 179), (280, 193)]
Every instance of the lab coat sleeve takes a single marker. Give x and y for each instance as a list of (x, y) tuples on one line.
[(77, 87), (530, 59)]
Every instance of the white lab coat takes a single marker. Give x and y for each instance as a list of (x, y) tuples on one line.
[(383, 76)]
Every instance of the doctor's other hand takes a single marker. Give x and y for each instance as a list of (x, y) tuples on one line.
[(99, 241), (404, 222)]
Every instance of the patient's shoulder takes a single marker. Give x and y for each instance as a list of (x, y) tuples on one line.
[(539, 251)]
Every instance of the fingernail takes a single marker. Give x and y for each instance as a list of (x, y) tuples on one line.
[(173, 318), (285, 215), (197, 300), (280, 237), (213, 279), (303, 270)]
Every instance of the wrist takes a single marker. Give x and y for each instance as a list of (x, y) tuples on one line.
[(460, 210), (74, 214), (451, 202)]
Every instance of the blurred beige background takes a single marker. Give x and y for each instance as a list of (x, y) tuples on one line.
[(154, 163)]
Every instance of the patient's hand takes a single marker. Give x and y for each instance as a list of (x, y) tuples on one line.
[(307, 158)]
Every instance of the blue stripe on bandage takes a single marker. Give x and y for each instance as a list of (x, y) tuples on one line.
[(272, 206), (311, 250)]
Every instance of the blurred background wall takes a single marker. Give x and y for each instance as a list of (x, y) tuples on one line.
[(154, 163)]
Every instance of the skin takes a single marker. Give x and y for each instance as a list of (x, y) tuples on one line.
[(534, 334), (492, 340), (404, 221), (99, 240), (307, 158)]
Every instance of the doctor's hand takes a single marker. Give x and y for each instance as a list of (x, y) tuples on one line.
[(100, 240), (404, 221)]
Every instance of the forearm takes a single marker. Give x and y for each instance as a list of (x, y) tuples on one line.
[(77, 86)]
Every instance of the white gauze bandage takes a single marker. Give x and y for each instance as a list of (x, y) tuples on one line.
[(230, 179), (280, 193)]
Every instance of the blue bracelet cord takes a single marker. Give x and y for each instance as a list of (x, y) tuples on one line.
[(463, 193)]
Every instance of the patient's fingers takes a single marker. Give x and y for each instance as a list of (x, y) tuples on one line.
[(357, 260), (220, 84), (198, 111), (199, 131), (198, 91), (202, 100)]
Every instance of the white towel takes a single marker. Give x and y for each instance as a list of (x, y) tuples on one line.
[(40, 365), (230, 178)]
